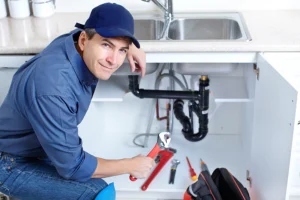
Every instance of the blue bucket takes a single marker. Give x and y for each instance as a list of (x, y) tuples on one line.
[(108, 193)]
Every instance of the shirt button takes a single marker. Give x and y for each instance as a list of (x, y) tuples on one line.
[(11, 159), (8, 167)]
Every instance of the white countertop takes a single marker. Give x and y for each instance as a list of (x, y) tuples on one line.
[(270, 31)]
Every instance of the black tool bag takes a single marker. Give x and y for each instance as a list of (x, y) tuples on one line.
[(221, 185)]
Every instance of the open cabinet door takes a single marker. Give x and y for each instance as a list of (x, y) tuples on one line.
[(6, 75), (275, 105)]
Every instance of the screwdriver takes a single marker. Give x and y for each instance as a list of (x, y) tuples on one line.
[(203, 166), (192, 172)]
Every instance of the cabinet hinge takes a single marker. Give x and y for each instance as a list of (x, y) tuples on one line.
[(248, 178), (256, 71)]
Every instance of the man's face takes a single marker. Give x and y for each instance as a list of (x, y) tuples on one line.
[(103, 56)]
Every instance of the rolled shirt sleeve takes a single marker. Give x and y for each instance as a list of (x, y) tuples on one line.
[(54, 122)]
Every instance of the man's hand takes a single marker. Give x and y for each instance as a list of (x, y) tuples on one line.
[(140, 166), (137, 59)]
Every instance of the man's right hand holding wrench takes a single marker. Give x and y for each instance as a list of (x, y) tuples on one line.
[(163, 141)]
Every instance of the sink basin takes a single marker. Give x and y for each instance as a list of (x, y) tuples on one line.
[(147, 29), (204, 68), (144, 29), (214, 27), (204, 29), (209, 26)]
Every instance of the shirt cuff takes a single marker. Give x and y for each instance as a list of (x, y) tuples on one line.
[(86, 169)]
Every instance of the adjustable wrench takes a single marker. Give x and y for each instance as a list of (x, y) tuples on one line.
[(163, 141)]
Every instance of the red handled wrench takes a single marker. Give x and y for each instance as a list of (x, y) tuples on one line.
[(163, 141), (165, 156)]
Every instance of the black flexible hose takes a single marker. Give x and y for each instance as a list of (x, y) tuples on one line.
[(187, 129), (181, 117)]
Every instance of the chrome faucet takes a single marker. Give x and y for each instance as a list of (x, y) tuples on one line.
[(167, 8)]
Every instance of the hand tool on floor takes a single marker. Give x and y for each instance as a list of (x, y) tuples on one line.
[(163, 141), (164, 156), (203, 166), (192, 172), (175, 163)]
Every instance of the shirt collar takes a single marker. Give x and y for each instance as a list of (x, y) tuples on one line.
[(83, 73)]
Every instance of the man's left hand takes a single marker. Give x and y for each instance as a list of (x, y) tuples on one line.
[(137, 59)]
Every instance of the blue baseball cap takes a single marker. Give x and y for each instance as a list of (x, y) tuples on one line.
[(111, 20)]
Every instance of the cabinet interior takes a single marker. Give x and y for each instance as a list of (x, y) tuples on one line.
[(111, 124), (109, 128)]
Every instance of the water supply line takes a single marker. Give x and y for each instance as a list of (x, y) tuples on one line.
[(173, 79), (161, 67)]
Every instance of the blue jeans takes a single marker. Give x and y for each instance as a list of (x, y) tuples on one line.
[(36, 179)]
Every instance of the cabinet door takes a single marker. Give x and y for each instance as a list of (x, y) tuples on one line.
[(275, 103), (13, 61), (8, 66), (6, 75)]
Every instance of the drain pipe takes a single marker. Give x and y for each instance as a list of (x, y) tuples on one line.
[(200, 108), (159, 94), (199, 103)]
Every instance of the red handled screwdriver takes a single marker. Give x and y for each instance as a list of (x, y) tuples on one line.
[(192, 172)]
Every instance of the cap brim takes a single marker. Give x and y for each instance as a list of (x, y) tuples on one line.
[(117, 32)]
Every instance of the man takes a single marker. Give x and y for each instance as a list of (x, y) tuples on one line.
[(41, 153)]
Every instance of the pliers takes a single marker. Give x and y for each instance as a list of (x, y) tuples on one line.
[(175, 163)]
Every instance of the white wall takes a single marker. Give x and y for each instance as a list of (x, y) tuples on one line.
[(183, 5)]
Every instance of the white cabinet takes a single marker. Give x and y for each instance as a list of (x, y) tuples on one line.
[(275, 154), (253, 126), (6, 75), (10, 63), (8, 66)]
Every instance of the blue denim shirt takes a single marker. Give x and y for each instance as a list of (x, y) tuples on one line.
[(48, 97)]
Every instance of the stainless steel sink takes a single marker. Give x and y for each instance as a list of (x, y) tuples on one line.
[(147, 29), (204, 29), (209, 26), (144, 29), (212, 27), (218, 27)]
